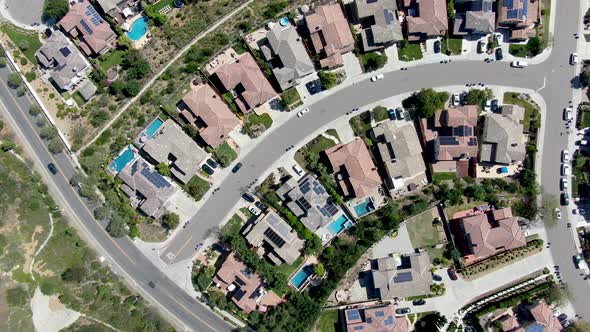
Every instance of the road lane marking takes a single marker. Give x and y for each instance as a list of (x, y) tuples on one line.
[(179, 250), (60, 173), (544, 83), (190, 312)]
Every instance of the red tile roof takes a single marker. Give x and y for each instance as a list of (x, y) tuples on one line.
[(543, 315), (432, 20), (375, 319)]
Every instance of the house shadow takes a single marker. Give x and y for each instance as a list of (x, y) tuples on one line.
[(366, 282)]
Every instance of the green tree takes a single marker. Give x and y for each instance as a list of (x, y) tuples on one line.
[(164, 169), (534, 46), (55, 145), (2, 62), (579, 326), (7, 146), (55, 9), (102, 212), (426, 102), (117, 226), (328, 79), (319, 269), (373, 61), (131, 88), (478, 97), (16, 297), (557, 296), (74, 274), (170, 221), (124, 42), (451, 9), (47, 132), (14, 80), (217, 298), (136, 65), (430, 322)]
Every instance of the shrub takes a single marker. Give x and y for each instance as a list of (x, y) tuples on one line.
[(30, 76), (328, 79), (170, 221), (23, 61), (14, 80), (55, 9), (16, 297)]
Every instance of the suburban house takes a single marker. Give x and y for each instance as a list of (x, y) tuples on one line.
[(172, 146), (110, 7), (535, 317), (274, 238), (285, 52), (483, 234), (401, 276), (308, 200), (450, 138), (83, 23), (147, 189), (330, 34), (520, 17), (204, 109), (379, 23), (354, 169), (503, 141), (62, 60), (245, 288), (401, 155), (375, 319), (426, 19), (476, 18), (246, 82)]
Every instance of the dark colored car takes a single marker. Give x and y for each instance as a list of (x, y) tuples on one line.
[(499, 54), (419, 302), (495, 105), (452, 274), (437, 46), (248, 197), (52, 168), (436, 277), (402, 311), (391, 113), (236, 168), (152, 284), (314, 87), (207, 169), (261, 206), (212, 163), (562, 317), (565, 199)]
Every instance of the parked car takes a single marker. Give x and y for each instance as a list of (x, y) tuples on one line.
[(236, 168), (495, 105), (562, 317), (377, 77), (297, 170), (400, 113), (455, 99), (564, 184), (303, 112), (481, 46), (452, 273), (314, 87), (574, 58), (212, 163), (582, 142), (207, 169), (419, 302), (565, 156), (403, 311), (254, 210), (391, 114), (578, 260), (52, 168), (557, 213), (519, 64), (248, 197), (487, 105), (436, 277), (567, 114), (565, 199), (437, 46), (499, 54), (499, 38), (261, 206), (565, 170)]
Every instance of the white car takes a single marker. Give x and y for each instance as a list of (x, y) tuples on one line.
[(583, 142), (377, 77), (557, 213), (488, 105), (518, 64), (565, 156), (574, 58), (567, 114), (297, 170), (565, 170), (456, 99), (302, 112), (575, 211), (499, 38), (563, 184), (254, 210)]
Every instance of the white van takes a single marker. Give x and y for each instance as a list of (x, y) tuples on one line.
[(297, 170)]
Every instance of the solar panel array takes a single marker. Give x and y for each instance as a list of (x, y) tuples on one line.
[(353, 315), (512, 13), (86, 26), (304, 203), (358, 328), (403, 277), (65, 51), (487, 6), (388, 321), (318, 188), (448, 140), (472, 141), (379, 313), (388, 16), (93, 15), (305, 186), (463, 131), (274, 237), (328, 210), (239, 294), (279, 226), (155, 178)]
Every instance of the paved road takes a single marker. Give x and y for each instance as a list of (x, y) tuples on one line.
[(553, 77), (122, 253)]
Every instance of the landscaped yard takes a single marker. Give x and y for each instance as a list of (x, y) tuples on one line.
[(328, 321), (530, 110), (112, 58), (452, 45), (233, 225), (443, 176), (380, 113), (254, 120), (361, 124), (162, 3), (225, 155), (424, 234), (451, 210), (27, 42), (409, 52), (287, 269), (290, 98), (315, 146), (197, 187)]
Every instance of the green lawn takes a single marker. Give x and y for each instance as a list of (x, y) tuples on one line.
[(197, 187), (328, 321), (333, 132), (452, 45), (361, 124), (451, 210), (315, 146), (544, 33), (78, 98), (233, 226), (530, 111), (113, 58), (225, 154), (27, 42), (585, 119), (410, 52), (422, 232), (291, 98), (380, 113), (443, 176), (518, 50), (255, 119), (287, 269), (163, 3)]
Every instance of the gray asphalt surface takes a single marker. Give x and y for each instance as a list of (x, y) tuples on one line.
[(557, 94), (167, 295)]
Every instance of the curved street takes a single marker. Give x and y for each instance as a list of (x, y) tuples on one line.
[(552, 78)]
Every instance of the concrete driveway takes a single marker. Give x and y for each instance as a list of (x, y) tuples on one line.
[(399, 244)]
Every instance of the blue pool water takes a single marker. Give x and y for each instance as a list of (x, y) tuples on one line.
[(299, 279), (338, 225), (138, 28), (121, 161), (364, 208), (153, 127), (284, 21)]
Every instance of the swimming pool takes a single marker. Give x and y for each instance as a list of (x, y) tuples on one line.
[(122, 160), (153, 127), (338, 225), (364, 208), (299, 279), (138, 28)]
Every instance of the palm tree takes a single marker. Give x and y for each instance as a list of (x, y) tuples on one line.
[(431, 322)]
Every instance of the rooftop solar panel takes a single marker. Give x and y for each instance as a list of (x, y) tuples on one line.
[(239, 294), (353, 315), (304, 203), (512, 13), (358, 328), (318, 188), (331, 209), (324, 212), (388, 321), (274, 237), (379, 313), (155, 178), (403, 277), (448, 140), (388, 16), (86, 26), (65, 51), (509, 3), (278, 225)]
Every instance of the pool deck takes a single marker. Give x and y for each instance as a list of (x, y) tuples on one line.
[(141, 42)]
